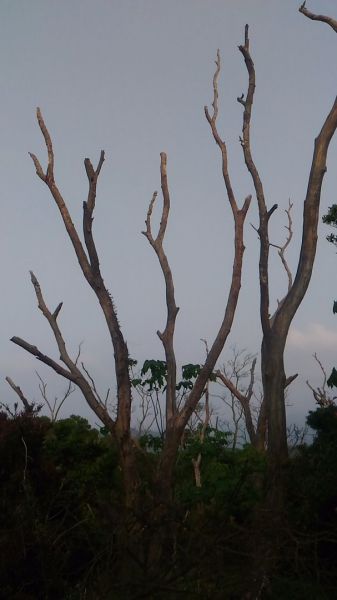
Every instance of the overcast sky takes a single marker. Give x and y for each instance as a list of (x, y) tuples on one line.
[(132, 77)]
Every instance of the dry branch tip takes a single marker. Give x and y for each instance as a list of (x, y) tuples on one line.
[(271, 210), (57, 310), (246, 36), (38, 168), (242, 101)]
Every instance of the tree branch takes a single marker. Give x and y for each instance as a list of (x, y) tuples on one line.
[(320, 394), (264, 214), (88, 208), (51, 318), (281, 253), (212, 122), (43, 358), (91, 272), (295, 295), (290, 379), (239, 216), (244, 399), (48, 179), (29, 407), (332, 22), (73, 373), (54, 409), (167, 336)]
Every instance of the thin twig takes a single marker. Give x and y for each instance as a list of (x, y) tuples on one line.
[(320, 393), (282, 249)]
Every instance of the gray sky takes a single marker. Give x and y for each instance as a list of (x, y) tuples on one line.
[(132, 77)]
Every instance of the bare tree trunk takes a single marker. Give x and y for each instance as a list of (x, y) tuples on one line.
[(273, 380), (275, 329)]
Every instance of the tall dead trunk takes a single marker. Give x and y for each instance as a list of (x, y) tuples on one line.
[(273, 381), (275, 328)]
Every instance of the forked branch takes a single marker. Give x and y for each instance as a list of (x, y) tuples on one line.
[(48, 178), (321, 394), (281, 253), (244, 399), (222, 145), (55, 407), (72, 373), (282, 249), (167, 336), (239, 216), (88, 209), (28, 406), (91, 271), (264, 213)]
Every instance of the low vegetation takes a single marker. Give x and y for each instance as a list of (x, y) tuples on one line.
[(62, 495)]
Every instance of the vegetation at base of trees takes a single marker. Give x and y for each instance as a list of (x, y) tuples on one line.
[(61, 497)]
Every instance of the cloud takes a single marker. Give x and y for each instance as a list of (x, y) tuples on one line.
[(314, 337)]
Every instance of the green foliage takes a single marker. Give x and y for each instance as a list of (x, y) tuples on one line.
[(226, 474), (312, 503), (156, 371), (60, 479), (331, 219), (62, 515), (151, 443), (324, 422), (153, 375), (332, 381)]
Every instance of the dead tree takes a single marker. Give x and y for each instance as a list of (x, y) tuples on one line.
[(176, 417), (269, 522), (89, 264), (275, 328)]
